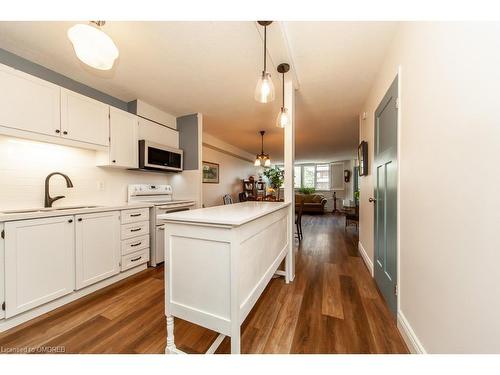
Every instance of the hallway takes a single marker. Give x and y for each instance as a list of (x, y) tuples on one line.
[(333, 306)]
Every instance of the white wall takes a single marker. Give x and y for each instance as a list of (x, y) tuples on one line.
[(449, 256), (232, 168), (25, 164)]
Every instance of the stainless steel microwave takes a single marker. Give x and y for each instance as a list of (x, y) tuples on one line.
[(157, 156)]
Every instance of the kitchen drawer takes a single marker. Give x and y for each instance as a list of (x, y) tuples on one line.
[(134, 216), (135, 229), (134, 244), (132, 260)]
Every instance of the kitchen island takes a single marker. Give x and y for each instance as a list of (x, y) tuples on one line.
[(219, 260)]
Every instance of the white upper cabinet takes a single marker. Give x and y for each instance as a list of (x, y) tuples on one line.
[(123, 148), (151, 131), (28, 103), (98, 247), (84, 119), (39, 262)]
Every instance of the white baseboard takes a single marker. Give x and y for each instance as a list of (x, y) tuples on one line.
[(411, 339), (365, 257)]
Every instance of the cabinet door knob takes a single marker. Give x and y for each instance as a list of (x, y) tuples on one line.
[(58, 131), (65, 132), (114, 161), (70, 220), (80, 219)]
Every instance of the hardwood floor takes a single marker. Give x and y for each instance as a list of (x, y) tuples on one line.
[(333, 306)]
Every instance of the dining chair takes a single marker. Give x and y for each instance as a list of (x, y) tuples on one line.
[(299, 209)]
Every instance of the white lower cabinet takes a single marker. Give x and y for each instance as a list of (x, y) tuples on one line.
[(98, 247), (135, 238), (39, 262)]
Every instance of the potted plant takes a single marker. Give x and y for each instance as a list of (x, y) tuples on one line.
[(307, 191), (275, 176)]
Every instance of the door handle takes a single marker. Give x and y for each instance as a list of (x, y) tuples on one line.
[(372, 200)]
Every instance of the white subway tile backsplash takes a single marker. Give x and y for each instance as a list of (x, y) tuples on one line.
[(25, 164)]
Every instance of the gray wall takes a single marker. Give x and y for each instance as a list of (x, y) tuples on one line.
[(188, 140), (19, 63)]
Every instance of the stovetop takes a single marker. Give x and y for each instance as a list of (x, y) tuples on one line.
[(159, 195)]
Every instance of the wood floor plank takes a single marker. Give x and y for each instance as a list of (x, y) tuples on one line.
[(357, 327), (332, 298), (332, 306), (359, 272)]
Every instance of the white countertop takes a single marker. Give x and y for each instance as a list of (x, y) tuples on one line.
[(10, 215), (232, 214)]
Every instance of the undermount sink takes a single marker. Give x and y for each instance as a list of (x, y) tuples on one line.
[(27, 211)]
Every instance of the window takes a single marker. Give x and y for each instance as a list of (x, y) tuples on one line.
[(317, 176), (297, 176), (322, 177), (309, 171)]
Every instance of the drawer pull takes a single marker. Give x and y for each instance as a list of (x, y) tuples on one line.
[(135, 230), (136, 259), (136, 244), (135, 215)]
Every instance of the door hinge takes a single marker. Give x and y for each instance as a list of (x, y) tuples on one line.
[(395, 289), (3, 233), (3, 306), (397, 102)]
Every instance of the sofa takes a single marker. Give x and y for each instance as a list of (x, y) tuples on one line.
[(313, 203)]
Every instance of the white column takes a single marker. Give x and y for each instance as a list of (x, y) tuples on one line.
[(289, 159)]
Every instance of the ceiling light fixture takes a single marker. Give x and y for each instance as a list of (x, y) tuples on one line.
[(264, 92), (92, 45), (262, 158), (283, 117)]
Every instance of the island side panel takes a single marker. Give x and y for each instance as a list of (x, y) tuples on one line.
[(197, 275), (264, 245)]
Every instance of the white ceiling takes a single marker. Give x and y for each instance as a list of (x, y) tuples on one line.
[(212, 68)]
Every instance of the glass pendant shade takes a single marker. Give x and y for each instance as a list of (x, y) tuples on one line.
[(264, 92), (257, 162), (283, 118), (93, 46), (268, 162)]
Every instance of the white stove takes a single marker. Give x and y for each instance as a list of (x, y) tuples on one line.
[(161, 196)]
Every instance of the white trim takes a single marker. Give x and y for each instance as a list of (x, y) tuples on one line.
[(409, 336), (365, 257), (36, 312), (398, 195)]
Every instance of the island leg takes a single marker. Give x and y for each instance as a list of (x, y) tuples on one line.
[(235, 341), (170, 349)]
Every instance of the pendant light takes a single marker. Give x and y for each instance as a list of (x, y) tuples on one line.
[(283, 117), (92, 45), (264, 92), (262, 158)]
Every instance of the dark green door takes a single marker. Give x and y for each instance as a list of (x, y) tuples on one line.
[(386, 179)]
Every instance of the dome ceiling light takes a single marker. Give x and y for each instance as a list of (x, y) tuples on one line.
[(92, 45), (264, 92)]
